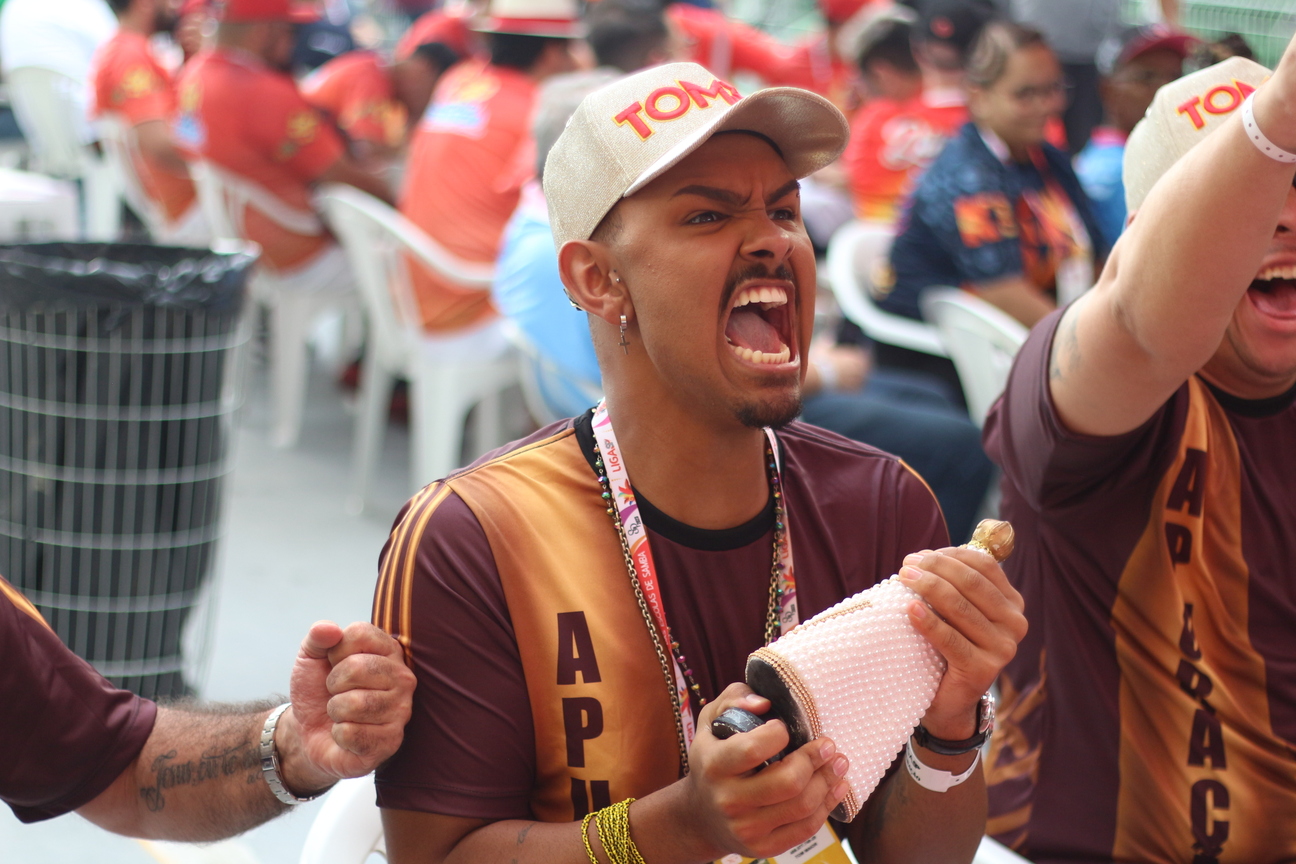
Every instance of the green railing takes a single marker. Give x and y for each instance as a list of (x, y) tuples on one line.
[(1267, 25)]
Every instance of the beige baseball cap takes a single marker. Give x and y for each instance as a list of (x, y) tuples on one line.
[(1182, 114), (625, 135)]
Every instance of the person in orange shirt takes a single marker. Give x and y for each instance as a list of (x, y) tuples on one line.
[(241, 111), (913, 70), (371, 102), (462, 181), (134, 89)]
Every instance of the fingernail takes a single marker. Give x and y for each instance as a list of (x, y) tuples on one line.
[(919, 610), (909, 574), (840, 765), (914, 558), (826, 750)]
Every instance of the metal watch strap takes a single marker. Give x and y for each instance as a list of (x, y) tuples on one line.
[(944, 747), (270, 760), (934, 778)]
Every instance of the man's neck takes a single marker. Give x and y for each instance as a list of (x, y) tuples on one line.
[(690, 468)]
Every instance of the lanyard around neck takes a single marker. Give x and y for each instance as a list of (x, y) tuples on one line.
[(645, 568)]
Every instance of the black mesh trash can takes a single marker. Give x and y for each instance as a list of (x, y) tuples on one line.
[(118, 382)]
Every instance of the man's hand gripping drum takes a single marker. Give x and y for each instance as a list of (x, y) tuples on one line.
[(863, 675)]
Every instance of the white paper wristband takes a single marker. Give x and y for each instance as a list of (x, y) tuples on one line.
[(933, 778), (1263, 144)]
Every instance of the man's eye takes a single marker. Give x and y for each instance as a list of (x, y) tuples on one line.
[(784, 214), (702, 218)]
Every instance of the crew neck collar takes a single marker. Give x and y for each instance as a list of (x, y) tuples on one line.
[(1256, 408), (702, 539)]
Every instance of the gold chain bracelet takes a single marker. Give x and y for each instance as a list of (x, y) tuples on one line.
[(589, 850), (613, 824)]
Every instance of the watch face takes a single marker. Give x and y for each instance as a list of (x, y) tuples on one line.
[(987, 719)]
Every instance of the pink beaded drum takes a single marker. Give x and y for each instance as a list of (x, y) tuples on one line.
[(860, 674)]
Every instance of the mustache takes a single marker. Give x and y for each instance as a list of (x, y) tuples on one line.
[(755, 270)]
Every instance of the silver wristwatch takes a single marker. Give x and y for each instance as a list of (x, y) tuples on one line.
[(270, 760)]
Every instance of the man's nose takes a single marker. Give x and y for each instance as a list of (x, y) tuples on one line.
[(767, 240), (1287, 219)]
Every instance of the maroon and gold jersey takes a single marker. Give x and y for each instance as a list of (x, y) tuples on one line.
[(539, 693), (1150, 714), (65, 732)]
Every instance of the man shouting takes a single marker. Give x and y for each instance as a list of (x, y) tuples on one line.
[(575, 604)]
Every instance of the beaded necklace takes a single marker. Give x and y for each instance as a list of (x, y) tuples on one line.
[(622, 507)]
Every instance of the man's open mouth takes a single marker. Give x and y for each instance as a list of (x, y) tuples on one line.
[(1274, 291), (759, 329)]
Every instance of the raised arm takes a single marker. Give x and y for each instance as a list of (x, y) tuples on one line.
[(199, 775), (1174, 281)]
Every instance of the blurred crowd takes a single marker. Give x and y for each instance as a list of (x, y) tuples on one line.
[(986, 137)]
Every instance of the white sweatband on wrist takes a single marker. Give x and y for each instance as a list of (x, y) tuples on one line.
[(933, 778), (270, 760), (1263, 144)]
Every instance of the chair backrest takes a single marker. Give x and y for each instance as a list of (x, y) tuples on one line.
[(120, 152), (854, 253), (225, 196), (374, 235), (348, 828), (541, 379), (48, 108), (982, 341)]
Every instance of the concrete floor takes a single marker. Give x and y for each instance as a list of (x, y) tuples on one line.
[(291, 556)]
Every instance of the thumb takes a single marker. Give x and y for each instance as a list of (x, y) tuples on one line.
[(322, 636)]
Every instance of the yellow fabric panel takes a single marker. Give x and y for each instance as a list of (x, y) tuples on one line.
[(557, 552), (1156, 648)]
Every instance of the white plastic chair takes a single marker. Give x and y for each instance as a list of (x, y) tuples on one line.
[(447, 374), (295, 298), (856, 250), (536, 371), (991, 851), (982, 341), (121, 149), (50, 114), (348, 828), (34, 207)]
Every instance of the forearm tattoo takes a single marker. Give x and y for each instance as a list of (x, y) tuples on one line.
[(242, 758)]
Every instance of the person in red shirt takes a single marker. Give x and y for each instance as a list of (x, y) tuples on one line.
[(462, 181), (725, 46), (447, 25), (372, 102), (240, 110), (913, 71), (132, 87)]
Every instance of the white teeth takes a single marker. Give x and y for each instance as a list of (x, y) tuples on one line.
[(781, 356), (767, 297), (1287, 272)]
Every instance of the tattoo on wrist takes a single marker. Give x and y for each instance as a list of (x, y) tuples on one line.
[(212, 765)]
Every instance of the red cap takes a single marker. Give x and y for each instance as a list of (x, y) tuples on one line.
[(450, 27), (246, 11), (840, 11)]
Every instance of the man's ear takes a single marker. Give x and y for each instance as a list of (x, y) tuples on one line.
[(587, 274)]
